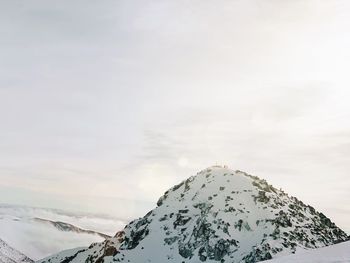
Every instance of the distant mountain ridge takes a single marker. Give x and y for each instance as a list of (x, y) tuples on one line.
[(219, 215), (56, 231), (11, 255), (62, 226)]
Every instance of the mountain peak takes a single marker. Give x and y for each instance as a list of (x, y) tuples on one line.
[(217, 215)]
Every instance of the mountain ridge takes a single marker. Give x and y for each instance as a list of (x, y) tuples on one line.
[(63, 226), (218, 215)]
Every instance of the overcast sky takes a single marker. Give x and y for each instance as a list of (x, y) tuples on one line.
[(104, 105)]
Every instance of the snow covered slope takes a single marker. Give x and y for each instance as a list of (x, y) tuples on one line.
[(10, 255), (219, 215), (339, 253)]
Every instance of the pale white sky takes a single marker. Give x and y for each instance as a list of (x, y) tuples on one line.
[(105, 105)]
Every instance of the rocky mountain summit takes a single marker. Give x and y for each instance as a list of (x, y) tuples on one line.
[(11, 255), (218, 215)]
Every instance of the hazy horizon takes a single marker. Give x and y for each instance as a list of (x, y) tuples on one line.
[(105, 105)]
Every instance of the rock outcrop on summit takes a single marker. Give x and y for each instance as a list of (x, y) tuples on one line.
[(218, 215)]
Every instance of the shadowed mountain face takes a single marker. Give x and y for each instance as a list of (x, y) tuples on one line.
[(11, 255), (219, 215)]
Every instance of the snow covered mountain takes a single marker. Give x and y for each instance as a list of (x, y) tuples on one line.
[(219, 215), (11, 255), (339, 253)]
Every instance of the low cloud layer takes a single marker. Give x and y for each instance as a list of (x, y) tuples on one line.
[(37, 239)]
